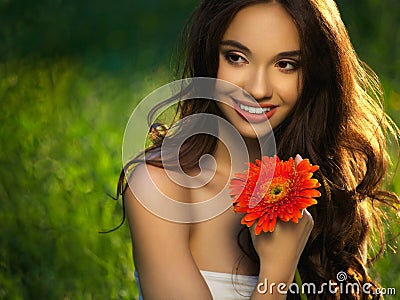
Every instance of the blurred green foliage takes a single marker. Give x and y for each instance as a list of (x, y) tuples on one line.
[(70, 74)]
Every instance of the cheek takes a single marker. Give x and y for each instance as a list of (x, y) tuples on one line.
[(223, 107), (221, 73), (224, 71), (289, 90)]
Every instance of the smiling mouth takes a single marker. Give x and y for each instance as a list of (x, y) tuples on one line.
[(254, 114), (254, 110)]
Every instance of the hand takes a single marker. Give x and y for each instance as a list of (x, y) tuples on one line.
[(280, 251)]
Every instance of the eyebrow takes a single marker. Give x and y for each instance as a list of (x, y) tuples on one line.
[(294, 53), (242, 47), (235, 44)]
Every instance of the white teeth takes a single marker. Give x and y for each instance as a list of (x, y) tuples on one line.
[(254, 110)]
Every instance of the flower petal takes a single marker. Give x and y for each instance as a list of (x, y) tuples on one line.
[(271, 189)]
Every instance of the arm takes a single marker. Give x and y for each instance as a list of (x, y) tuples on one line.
[(161, 248), (280, 251), (279, 254)]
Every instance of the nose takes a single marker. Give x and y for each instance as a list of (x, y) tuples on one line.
[(258, 85)]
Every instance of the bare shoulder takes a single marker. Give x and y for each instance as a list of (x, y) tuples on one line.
[(148, 181), (156, 236), (148, 199)]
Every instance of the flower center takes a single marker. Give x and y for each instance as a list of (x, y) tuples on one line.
[(278, 190)]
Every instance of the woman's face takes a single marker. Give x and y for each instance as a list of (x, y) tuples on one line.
[(260, 53)]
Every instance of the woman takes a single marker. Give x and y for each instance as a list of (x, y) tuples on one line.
[(295, 59)]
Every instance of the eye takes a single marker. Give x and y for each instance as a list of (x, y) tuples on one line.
[(235, 59), (287, 66)]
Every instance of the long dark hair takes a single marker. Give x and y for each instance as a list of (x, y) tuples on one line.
[(338, 123)]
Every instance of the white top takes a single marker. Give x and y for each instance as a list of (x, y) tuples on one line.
[(226, 286), (223, 286)]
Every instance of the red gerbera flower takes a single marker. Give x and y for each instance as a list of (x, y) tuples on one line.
[(272, 189)]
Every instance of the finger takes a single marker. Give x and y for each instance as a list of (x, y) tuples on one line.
[(305, 211), (298, 159), (307, 219)]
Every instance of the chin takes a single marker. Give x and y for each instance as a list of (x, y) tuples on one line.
[(255, 132)]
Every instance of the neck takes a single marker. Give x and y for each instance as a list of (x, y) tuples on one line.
[(253, 148), (223, 155)]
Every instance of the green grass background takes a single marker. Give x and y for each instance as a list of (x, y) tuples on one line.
[(71, 73)]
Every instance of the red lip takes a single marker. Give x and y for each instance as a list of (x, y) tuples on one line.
[(262, 105), (254, 118)]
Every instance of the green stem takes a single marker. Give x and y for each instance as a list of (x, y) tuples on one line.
[(297, 278)]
